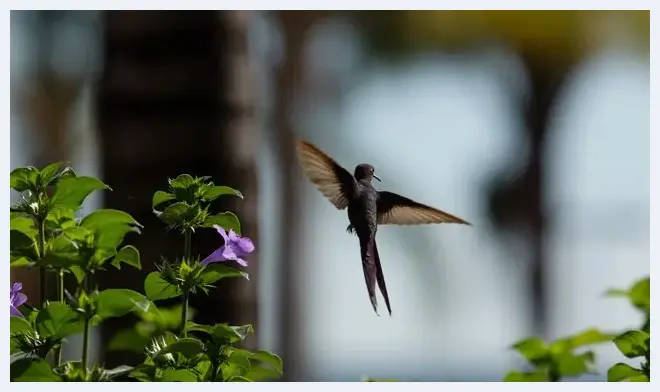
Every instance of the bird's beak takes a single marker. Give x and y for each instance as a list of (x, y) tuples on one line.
[(376, 177)]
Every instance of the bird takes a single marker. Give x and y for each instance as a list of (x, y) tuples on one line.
[(367, 208)]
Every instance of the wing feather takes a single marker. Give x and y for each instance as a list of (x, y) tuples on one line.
[(394, 209), (334, 182)]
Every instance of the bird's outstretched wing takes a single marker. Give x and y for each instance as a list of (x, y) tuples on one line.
[(335, 182), (394, 209)]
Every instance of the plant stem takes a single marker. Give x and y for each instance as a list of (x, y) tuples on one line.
[(41, 244), (184, 315), (60, 289), (187, 250), (85, 344)]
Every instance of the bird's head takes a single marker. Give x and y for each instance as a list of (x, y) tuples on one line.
[(365, 171)]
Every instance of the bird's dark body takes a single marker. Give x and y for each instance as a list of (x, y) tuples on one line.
[(363, 218), (367, 208)]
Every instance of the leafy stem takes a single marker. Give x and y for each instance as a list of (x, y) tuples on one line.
[(187, 250), (184, 314), (85, 347), (60, 297), (41, 244)]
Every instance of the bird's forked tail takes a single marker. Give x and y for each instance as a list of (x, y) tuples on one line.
[(373, 272)]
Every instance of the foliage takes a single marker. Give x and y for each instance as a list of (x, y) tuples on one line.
[(557, 360), (46, 233)]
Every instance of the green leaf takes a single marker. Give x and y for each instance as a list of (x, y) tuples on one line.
[(62, 253), (589, 337), (104, 217), (119, 371), (176, 213), (119, 302), (60, 218), (617, 293), (78, 273), (204, 369), (622, 372), (178, 375), (640, 295), (23, 179), (48, 173), (165, 318), (537, 376), (224, 333), (533, 349), (216, 271), (236, 356), (226, 220), (78, 234), (58, 320), (213, 192), (70, 192), (188, 347), (24, 225), (129, 255), (231, 370), (22, 248), (193, 327), (112, 235), (570, 365), (272, 360), (183, 181), (128, 340), (638, 378), (144, 372), (18, 325), (156, 288), (161, 197), (632, 344), (32, 369), (263, 373)]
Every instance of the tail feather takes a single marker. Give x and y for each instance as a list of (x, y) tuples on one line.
[(370, 269), (381, 278)]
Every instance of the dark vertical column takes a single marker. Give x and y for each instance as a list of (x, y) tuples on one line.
[(163, 110)]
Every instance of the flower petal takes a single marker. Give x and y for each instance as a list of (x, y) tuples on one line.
[(215, 256), (14, 312), (222, 232), (233, 237), (18, 286), (229, 253), (244, 246), (19, 299), (241, 262)]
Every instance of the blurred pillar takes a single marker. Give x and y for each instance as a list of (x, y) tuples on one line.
[(519, 204), (168, 104), (293, 25)]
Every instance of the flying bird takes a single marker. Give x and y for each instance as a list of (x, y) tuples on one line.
[(367, 208)]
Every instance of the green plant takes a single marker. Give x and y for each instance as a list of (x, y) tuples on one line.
[(46, 234), (556, 360)]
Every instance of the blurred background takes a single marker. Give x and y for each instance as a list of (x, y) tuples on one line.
[(532, 125)]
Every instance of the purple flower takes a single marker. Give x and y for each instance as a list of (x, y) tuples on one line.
[(16, 299), (234, 248)]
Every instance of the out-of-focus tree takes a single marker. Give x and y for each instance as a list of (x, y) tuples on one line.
[(550, 45), (172, 100), (293, 26)]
